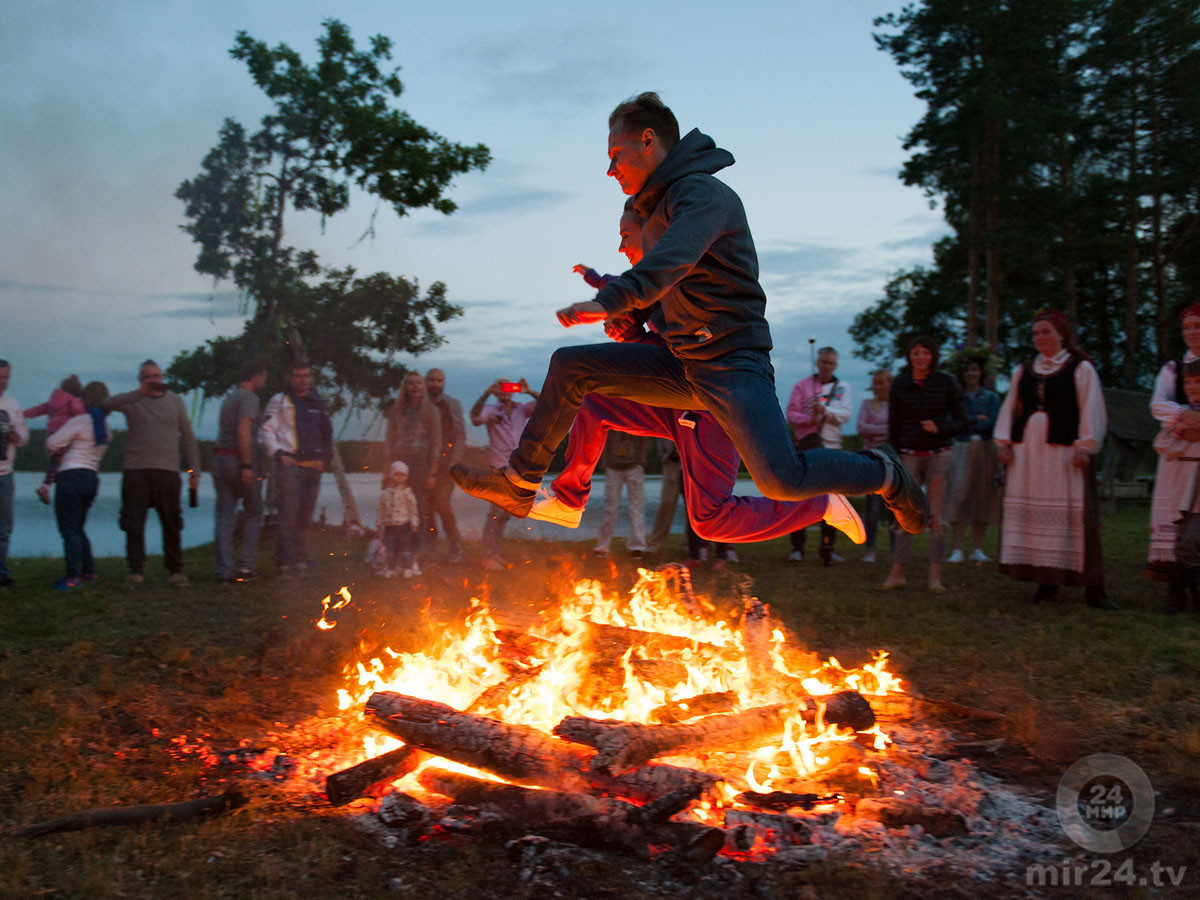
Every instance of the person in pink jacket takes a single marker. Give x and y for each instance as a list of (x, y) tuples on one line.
[(65, 403)]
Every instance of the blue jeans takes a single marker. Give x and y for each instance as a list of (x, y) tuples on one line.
[(74, 492), (6, 520), (298, 487), (738, 388), (227, 480), (707, 459)]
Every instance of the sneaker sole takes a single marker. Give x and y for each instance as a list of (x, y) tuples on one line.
[(564, 521), (848, 521)]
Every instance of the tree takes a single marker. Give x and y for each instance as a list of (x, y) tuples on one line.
[(1060, 139), (332, 132)]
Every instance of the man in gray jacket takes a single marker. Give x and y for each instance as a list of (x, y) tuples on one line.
[(699, 263), (157, 421)]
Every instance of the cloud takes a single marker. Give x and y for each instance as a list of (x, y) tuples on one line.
[(515, 200), (918, 242), (25, 287), (549, 67)]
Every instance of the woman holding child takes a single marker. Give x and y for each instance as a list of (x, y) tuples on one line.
[(1050, 425), (79, 445), (1175, 478)]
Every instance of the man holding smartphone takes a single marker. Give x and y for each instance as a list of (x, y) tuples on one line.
[(157, 420), (505, 420)]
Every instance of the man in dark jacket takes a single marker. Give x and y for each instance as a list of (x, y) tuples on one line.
[(298, 435), (699, 263)]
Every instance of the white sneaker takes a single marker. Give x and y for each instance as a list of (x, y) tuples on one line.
[(703, 554), (407, 573), (979, 556), (548, 508), (795, 556), (842, 516), (732, 556), (415, 569), (955, 557), (869, 556), (834, 558)]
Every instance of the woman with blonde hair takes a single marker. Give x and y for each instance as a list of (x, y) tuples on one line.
[(414, 436)]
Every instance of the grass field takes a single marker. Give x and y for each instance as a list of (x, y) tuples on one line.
[(95, 683)]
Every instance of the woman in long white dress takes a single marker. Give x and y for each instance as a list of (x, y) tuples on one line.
[(1051, 424), (1174, 478)]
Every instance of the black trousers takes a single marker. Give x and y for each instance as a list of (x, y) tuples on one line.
[(143, 490)]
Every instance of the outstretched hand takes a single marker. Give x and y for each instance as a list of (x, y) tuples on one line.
[(583, 313)]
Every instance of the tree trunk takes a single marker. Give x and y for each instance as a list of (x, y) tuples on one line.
[(991, 175), (1133, 222), (973, 248)]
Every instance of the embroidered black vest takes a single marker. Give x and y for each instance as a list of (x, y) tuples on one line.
[(1180, 396), (1053, 395)]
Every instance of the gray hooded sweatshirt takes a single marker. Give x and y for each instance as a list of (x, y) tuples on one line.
[(699, 260)]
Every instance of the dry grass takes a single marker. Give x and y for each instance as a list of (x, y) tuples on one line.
[(95, 683)]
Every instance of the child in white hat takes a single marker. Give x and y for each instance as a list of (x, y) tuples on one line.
[(397, 520)]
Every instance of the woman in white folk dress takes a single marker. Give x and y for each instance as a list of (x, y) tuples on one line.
[(1051, 424), (1175, 477)]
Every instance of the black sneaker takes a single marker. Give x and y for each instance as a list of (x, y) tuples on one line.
[(243, 575), (494, 486), (904, 498)]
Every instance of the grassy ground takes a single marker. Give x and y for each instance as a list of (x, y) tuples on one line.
[(95, 683)]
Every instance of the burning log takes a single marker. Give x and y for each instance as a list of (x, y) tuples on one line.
[(693, 707), (357, 781), (596, 822), (517, 752), (756, 636), (785, 800), (625, 745), (613, 640), (201, 808)]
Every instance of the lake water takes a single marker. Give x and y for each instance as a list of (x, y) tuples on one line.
[(35, 532)]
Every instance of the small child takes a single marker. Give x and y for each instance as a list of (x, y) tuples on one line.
[(64, 403), (397, 520), (1170, 445)]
